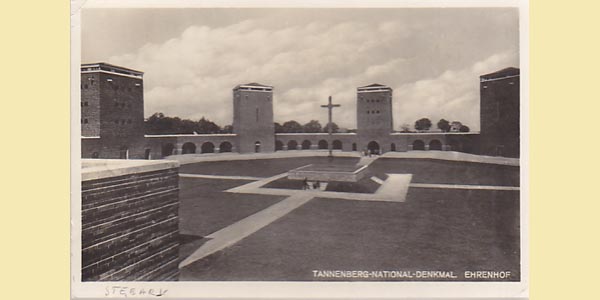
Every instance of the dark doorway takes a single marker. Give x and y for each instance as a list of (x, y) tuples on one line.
[(353, 146), (147, 153), (278, 146), (323, 144), (292, 145), (435, 145), (306, 145), (257, 146), (418, 145), (455, 146), (124, 153), (337, 145), (225, 147), (188, 148), (167, 149), (207, 147), (393, 147), (373, 146)]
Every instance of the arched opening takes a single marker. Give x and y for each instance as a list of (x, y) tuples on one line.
[(95, 155), (225, 147), (292, 145), (207, 147), (306, 145), (167, 149), (435, 145), (323, 144), (337, 145), (147, 153), (373, 146), (418, 145), (257, 146), (188, 148), (278, 145), (393, 147), (353, 146), (455, 146), (124, 152)]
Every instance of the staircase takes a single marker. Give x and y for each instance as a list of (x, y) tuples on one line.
[(365, 160)]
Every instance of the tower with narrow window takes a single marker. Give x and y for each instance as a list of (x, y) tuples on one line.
[(374, 117), (112, 110), (253, 118)]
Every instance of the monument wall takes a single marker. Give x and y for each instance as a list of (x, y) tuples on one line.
[(130, 220)]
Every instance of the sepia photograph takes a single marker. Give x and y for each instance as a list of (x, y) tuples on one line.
[(298, 144)]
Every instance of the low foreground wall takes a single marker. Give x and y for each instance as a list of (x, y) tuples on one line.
[(130, 221)]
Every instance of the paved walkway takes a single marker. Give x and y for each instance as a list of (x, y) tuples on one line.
[(184, 159), (455, 156), (234, 233), (442, 155), (395, 187), (256, 188), (220, 177), (464, 186)]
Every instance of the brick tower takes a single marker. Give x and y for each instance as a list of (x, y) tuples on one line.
[(374, 117), (253, 118), (499, 113), (112, 111)]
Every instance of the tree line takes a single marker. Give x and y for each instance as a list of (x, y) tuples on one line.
[(158, 123), (424, 124)]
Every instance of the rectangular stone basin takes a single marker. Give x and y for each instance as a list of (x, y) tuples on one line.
[(329, 172)]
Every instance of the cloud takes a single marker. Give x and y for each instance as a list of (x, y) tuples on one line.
[(453, 95), (192, 74)]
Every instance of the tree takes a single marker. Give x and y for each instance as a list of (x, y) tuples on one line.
[(207, 126), (464, 128), (455, 126), (312, 126), (334, 127), (443, 125), (292, 127), (423, 124), (405, 127), (278, 128)]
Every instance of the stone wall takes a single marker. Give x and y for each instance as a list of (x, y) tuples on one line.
[(130, 221)]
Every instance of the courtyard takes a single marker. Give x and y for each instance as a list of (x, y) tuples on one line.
[(241, 221)]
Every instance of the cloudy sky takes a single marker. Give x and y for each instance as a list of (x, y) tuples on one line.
[(192, 58)]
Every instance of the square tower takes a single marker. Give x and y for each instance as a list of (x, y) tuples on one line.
[(112, 110), (374, 117), (500, 112), (253, 118)]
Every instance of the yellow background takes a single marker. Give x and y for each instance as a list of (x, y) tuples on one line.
[(564, 150)]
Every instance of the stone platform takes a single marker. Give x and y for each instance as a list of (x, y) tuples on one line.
[(329, 172)]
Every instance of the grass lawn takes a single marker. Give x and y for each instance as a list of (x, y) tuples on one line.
[(433, 230), (204, 208), (448, 172)]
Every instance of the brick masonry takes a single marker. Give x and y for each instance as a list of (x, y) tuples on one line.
[(500, 113), (130, 227)]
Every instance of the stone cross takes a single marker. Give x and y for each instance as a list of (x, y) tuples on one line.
[(330, 107)]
